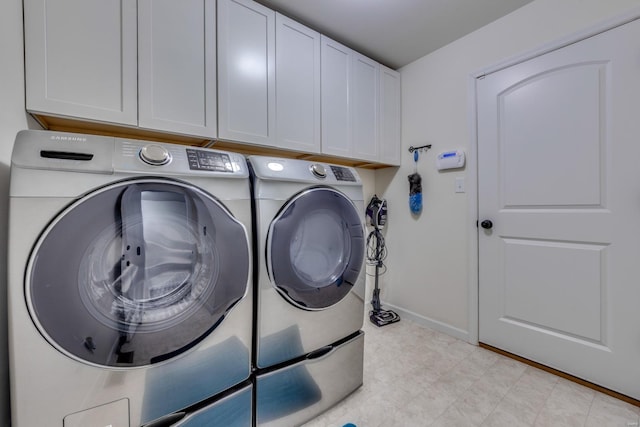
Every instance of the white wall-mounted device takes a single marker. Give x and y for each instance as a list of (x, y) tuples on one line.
[(450, 160)]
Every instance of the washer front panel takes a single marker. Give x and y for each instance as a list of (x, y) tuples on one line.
[(137, 272), (315, 248)]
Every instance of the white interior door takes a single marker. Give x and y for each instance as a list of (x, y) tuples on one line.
[(559, 178)]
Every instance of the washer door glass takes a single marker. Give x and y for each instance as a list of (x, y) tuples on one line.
[(315, 248), (137, 272)]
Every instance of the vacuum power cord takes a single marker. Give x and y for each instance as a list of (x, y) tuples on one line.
[(376, 254)]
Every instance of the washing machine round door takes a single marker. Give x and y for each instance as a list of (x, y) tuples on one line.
[(137, 272), (315, 248)]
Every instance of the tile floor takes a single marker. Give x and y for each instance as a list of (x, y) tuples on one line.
[(414, 376)]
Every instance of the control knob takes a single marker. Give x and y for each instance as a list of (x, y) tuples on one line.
[(318, 170), (155, 155)]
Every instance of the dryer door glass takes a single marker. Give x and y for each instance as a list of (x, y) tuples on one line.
[(315, 248), (137, 273)]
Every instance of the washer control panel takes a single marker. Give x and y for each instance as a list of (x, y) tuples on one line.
[(208, 161), (170, 159)]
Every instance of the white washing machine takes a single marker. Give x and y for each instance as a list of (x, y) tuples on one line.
[(129, 286), (310, 287)]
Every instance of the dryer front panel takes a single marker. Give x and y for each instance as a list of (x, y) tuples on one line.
[(315, 248), (137, 272)]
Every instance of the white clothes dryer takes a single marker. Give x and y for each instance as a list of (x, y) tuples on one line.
[(310, 287), (129, 286)]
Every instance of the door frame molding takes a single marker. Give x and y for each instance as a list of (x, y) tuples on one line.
[(473, 308)]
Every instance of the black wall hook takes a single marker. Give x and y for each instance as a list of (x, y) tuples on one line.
[(422, 147)]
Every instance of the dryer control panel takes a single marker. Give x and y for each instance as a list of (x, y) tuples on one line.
[(281, 169), (343, 174)]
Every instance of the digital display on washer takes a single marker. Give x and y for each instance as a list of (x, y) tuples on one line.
[(208, 161), (343, 174)]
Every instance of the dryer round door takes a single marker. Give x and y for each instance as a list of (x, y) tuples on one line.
[(137, 272), (315, 248)]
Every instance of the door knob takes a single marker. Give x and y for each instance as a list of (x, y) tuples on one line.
[(486, 224)]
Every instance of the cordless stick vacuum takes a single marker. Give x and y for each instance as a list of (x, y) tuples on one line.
[(376, 253)]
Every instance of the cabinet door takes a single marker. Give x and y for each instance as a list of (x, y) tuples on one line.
[(336, 116), (80, 59), (297, 86), (246, 81), (390, 116), (177, 67), (363, 102)]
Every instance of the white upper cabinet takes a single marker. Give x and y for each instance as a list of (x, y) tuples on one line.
[(246, 74), (350, 98), (363, 103), (80, 59), (177, 66), (336, 117), (390, 116), (146, 63), (232, 70), (297, 86), (268, 78)]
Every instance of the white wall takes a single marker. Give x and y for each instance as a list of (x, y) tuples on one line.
[(428, 255)]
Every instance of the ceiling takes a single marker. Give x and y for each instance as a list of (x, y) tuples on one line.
[(395, 32)]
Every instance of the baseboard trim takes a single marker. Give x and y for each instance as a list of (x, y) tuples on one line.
[(564, 375), (429, 323)]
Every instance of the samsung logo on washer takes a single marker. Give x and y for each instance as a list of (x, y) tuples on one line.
[(68, 138)]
